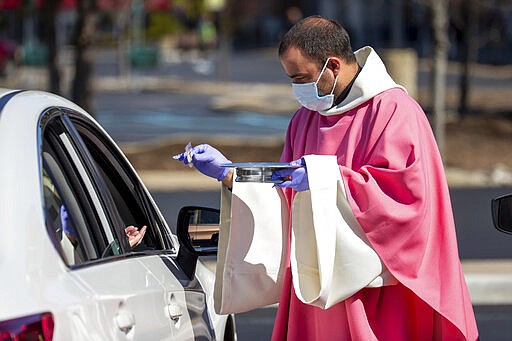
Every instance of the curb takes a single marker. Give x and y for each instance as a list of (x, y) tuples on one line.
[(489, 281)]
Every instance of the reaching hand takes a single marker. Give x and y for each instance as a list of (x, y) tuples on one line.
[(207, 160), (134, 235), (296, 178)]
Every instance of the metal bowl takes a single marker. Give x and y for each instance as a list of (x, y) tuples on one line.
[(257, 171)]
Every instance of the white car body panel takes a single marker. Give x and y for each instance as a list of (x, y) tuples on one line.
[(126, 288)]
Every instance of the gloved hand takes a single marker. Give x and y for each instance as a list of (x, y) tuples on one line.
[(296, 178), (67, 226), (207, 160)]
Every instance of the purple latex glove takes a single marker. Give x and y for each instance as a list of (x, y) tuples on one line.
[(67, 226), (207, 160), (296, 178)]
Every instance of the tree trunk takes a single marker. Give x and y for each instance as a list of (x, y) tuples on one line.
[(469, 47), (225, 39), (84, 35), (50, 13), (439, 10)]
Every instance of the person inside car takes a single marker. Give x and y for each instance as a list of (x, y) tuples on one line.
[(133, 233)]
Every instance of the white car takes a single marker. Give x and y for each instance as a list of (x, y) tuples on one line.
[(68, 269)]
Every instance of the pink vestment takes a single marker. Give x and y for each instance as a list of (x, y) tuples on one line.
[(396, 187)]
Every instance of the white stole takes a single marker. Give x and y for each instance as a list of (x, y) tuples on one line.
[(252, 247)]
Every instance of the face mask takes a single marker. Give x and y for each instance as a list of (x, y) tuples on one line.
[(307, 94)]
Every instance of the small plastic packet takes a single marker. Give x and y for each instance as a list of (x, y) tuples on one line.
[(188, 154)]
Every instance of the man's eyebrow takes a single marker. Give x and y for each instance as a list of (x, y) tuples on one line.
[(296, 75)]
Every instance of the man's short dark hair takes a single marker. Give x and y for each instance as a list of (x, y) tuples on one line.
[(318, 38)]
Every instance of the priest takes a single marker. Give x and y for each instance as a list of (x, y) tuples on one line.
[(370, 245)]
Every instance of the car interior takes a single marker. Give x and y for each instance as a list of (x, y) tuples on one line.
[(84, 175)]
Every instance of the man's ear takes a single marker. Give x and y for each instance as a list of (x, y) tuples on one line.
[(335, 65)]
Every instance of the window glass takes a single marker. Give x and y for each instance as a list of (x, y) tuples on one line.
[(60, 224), (130, 201), (74, 216), (95, 205)]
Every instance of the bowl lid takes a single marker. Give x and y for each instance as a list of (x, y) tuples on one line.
[(258, 171), (260, 165)]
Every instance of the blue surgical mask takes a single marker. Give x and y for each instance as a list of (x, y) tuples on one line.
[(307, 94)]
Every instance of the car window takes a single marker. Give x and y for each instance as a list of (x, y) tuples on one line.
[(79, 231), (130, 201), (95, 192)]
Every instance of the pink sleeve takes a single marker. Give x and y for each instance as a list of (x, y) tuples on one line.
[(400, 198), (399, 195)]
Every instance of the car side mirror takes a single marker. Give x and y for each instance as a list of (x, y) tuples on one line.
[(502, 213), (198, 233), (198, 229)]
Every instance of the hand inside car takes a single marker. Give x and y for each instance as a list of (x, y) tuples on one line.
[(134, 235)]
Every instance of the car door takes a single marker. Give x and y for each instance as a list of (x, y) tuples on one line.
[(184, 297), (131, 302)]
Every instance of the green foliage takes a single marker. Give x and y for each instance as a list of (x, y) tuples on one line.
[(161, 24)]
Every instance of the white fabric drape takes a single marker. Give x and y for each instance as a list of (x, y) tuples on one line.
[(252, 247), (330, 256)]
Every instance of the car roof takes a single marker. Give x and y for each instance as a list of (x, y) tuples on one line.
[(4, 91), (32, 102)]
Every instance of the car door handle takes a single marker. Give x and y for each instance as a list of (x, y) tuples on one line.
[(174, 312), (125, 321)]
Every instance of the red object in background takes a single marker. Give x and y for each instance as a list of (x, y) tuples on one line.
[(157, 5), (7, 51), (10, 4), (112, 5), (67, 4), (106, 5)]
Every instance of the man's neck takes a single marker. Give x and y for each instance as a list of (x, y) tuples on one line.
[(345, 91)]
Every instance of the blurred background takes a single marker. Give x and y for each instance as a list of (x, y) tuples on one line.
[(195, 64), (64, 36), (157, 74)]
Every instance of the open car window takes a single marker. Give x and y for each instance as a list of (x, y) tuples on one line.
[(130, 202), (93, 198), (74, 216)]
